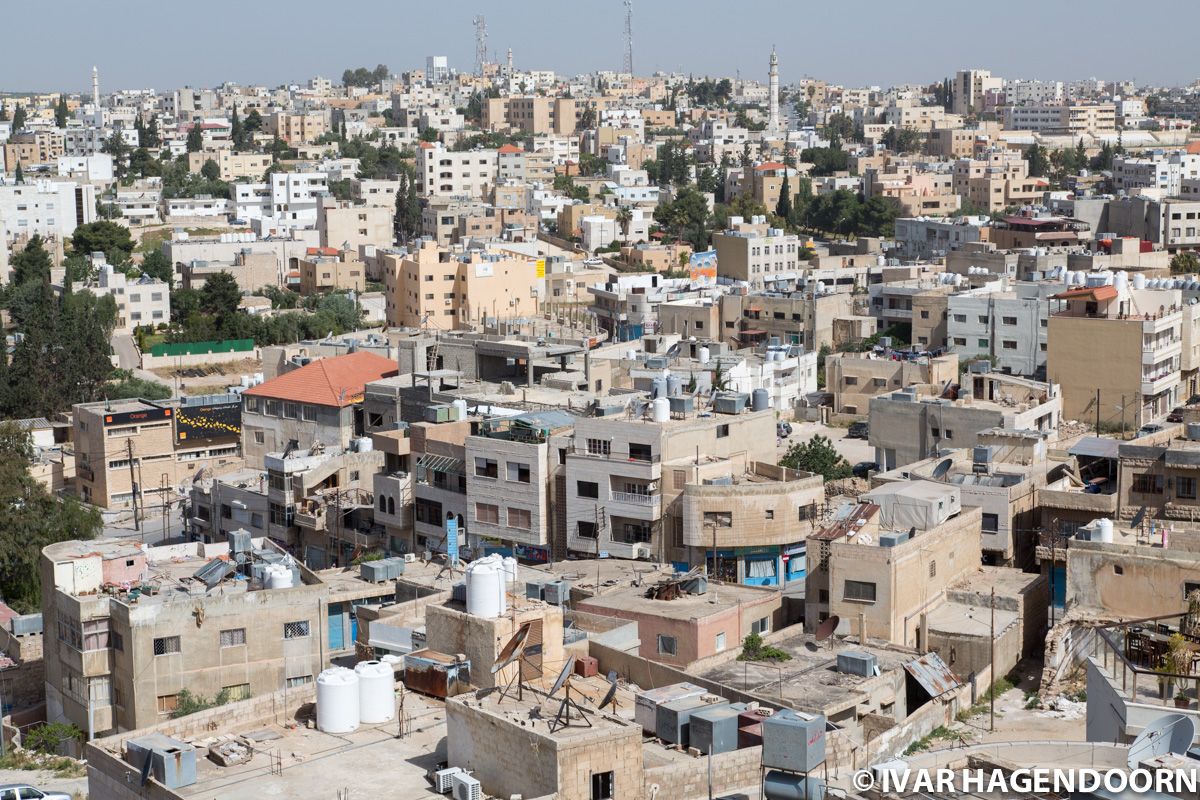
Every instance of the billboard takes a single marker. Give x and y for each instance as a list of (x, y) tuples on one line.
[(212, 421), (141, 415)]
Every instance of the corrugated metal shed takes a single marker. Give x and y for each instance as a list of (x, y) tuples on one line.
[(933, 674)]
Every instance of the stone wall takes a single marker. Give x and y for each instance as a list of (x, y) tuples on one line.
[(689, 779)]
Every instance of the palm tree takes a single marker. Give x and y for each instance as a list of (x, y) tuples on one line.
[(624, 219)]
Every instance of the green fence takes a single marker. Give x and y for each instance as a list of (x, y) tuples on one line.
[(202, 348)]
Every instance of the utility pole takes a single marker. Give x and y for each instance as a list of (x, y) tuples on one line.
[(164, 485), (132, 484), (992, 689), (1097, 412)]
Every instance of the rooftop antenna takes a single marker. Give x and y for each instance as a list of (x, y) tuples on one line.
[(480, 43), (627, 65), (563, 717), (513, 652)]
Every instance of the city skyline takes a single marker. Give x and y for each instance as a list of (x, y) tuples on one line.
[(217, 51)]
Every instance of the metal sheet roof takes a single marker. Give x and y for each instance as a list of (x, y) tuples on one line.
[(1095, 447), (933, 674), (440, 463)]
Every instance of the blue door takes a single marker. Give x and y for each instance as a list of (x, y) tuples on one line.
[(336, 633)]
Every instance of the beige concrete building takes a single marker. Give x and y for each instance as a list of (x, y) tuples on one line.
[(125, 442), (30, 148), (349, 227), (297, 129), (325, 269), (468, 174), (251, 270), (531, 114), (445, 289), (756, 253), (232, 165), (869, 568), (1119, 349), (854, 378)]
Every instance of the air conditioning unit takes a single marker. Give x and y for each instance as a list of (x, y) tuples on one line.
[(465, 787), (443, 779), (410, 558), (641, 551)]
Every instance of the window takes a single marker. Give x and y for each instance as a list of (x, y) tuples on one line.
[(587, 489), (761, 626), (295, 630), (599, 447), (667, 645), (259, 437), (519, 518), (960, 317), (585, 530), (602, 786), (932, 569), (95, 634), (722, 431), (770, 513), (165, 645), (640, 452), (309, 413), (486, 468), (239, 691), (924, 314), (1148, 484), (719, 644), (1185, 488), (1009, 344), (233, 637), (291, 410), (167, 703), (718, 519), (983, 343), (850, 380), (518, 473), (69, 633), (486, 512), (991, 523), (859, 592), (1009, 320)]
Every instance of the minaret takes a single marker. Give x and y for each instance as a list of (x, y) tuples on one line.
[(773, 119), (96, 88), (510, 72)]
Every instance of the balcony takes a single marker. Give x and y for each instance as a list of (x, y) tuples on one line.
[(1157, 353), (1157, 384), (635, 506)]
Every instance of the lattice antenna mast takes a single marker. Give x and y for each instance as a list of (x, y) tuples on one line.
[(480, 43), (627, 67)]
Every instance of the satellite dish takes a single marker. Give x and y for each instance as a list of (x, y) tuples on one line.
[(942, 468), (609, 697), (826, 628), (565, 673), (1138, 517), (1170, 733), (512, 651)]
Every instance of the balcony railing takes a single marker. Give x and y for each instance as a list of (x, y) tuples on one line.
[(634, 498)]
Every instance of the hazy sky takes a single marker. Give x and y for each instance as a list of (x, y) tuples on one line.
[(52, 44)]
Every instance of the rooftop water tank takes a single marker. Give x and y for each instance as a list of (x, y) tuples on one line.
[(277, 576), (703, 355), (760, 400), (674, 385), (337, 701), (364, 444), (660, 409), (510, 569), (1104, 530), (485, 588), (1139, 281), (376, 692), (1121, 282), (460, 407), (658, 388)]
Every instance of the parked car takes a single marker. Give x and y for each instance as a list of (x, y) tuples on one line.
[(1176, 414), (1146, 430), (783, 429), (858, 430), (863, 469), (23, 791)]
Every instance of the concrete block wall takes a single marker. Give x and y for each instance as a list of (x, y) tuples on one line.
[(689, 779)]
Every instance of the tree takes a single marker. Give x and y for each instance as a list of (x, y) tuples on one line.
[(237, 132), (825, 160), (1104, 159), (686, 217), (128, 387), (220, 295), (254, 121), (624, 219), (158, 266), (32, 263), (116, 146), (817, 456), (211, 171), (61, 112), (152, 138), (195, 138), (30, 519), (587, 119), (1039, 164), (19, 117), (3, 111), (104, 236), (784, 207), (902, 140), (839, 126), (1185, 261), (407, 219), (19, 174)]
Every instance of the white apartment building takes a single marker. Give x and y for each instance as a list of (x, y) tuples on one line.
[(45, 208), (143, 302), (1009, 326), (294, 196), (1073, 119), (561, 148), (89, 141), (202, 205), (1159, 170), (139, 204), (1021, 92), (469, 173), (437, 70), (251, 201), (97, 168)]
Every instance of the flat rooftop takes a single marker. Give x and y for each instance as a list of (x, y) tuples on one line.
[(809, 682), (720, 597)]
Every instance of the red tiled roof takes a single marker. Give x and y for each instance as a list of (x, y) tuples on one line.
[(1193, 148), (321, 251), (769, 165), (508, 149), (1094, 293), (336, 382), (425, 145)]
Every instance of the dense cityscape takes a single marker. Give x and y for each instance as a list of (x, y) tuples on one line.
[(481, 430)]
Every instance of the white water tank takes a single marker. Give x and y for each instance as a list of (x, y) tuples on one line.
[(485, 588), (1121, 281), (958, 280), (461, 405), (820, 287), (376, 692), (1104, 530), (703, 355), (337, 701), (1095, 279), (510, 570), (363, 444), (1066, 277), (631, 354), (660, 409), (277, 576), (1139, 281)]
